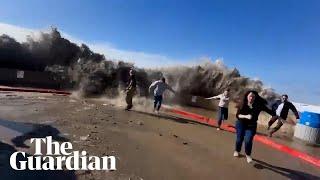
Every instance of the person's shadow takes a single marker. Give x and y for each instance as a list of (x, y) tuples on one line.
[(29, 131), (39, 131), (288, 173), (8, 173)]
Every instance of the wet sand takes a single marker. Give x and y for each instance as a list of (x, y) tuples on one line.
[(147, 146)]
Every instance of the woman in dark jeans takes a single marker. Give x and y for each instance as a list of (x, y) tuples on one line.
[(246, 125)]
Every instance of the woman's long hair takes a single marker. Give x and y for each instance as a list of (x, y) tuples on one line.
[(258, 101)]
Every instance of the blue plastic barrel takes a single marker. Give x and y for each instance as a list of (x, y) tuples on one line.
[(310, 119), (308, 127)]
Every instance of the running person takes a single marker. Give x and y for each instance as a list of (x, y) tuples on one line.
[(246, 125), (282, 109), (131, 89), (158, 88), (223, 106)]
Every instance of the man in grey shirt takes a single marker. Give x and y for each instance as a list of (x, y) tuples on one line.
[(158, 88), (223, 106)]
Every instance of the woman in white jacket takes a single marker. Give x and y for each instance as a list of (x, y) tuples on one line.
[(223, 106)]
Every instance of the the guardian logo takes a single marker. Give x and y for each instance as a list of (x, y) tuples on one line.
[(59, 157)]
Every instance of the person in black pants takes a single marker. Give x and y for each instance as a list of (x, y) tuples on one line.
[(246, 125), (282, 109)]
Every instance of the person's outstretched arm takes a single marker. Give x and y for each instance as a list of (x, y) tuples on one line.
[(269, 111), (170, 88), (214, 97), (294, 110)]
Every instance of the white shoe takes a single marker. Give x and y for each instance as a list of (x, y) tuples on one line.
[(249, 159), (157, 112), (236, 154), (218, 129)]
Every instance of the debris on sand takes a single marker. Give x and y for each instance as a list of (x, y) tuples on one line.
[(96, 138), (64, 134), (87, 108), (48, 122), (175, 136), (11, 95), (42, 98), (135, 178), (185, 143), (84, 138), (72, 101), (140, 123)]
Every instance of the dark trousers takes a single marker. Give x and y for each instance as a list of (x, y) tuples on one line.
[(245, 132), (278, 126), (157, 102), (222, 115), (130, 93)]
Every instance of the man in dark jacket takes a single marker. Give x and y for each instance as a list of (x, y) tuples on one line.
[(282, 109), (131, 89)]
